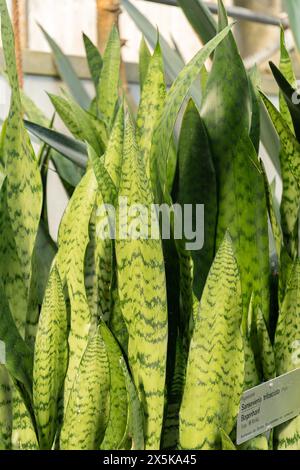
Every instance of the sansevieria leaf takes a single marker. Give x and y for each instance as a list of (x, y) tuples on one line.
[(73, 242), (286, 68), (151, 105), (108, 87), (215, 371), (165, 125), (5, 409), (50, 360), (287, 436), (24, 192), (23, 435), (240, 184), (142, 291), (118, 404), (86, 413), (94, 59), (144, 60)]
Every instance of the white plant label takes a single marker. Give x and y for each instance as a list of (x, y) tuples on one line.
[(2, 353), (268, 405)]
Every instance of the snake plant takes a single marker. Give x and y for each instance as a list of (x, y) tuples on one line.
[(136, 342)]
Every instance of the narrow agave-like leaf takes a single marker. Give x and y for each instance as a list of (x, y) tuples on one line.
[(286, 68), (72, 149), (142, 290), (32, 111), (240, 185), (197, 185), (289, 93), (68, 172), (226, 442), (118, 412), (165, 125), (200, 18), (50, 360), (255, 108), (19, 357), (67, 73), (11, 267), (288, 141), (287, 436), (265, 347), (151, 105), (293, 12), (23, 436), (86, 413), (215, 371), (82, 125), (135, 419), (144, 60), (5, 410), (108, 87), (24, 191), (73, 241), (94, 59)]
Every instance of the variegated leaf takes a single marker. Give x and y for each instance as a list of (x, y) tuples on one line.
[(50, 360), (86, 413), (215, 371), (142, 291)]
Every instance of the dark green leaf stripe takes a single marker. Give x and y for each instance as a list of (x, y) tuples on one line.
[(215, 371), (50, 360), (85, 418), (142, 291)]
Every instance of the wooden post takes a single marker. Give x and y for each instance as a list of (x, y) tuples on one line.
[(108, 12), (18, 43)]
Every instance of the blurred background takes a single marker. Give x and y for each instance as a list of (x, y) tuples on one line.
[(257, 32)]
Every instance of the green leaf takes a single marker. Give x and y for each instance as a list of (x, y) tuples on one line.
[(23, 435), (290, 169), (114, 153), (144, 61), (200, 18), (50, 360), (69, 173), (215, 370), (286, 68), (71, 149), (67, 73), (19, 357), (265, 347), (289, 93), (255, 111), (287, 436), (108, 88), (82, 125), (175, 98), (197, 185), (32, 111), (5, 410), (24, 190), (151, 105), (117, 422), (142, 291), (89, 399), (291, 7), (173, 62), (226, 112), (227, 443), (73, 241), (135, 422), (94, 59), (105, 183)]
